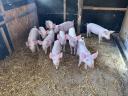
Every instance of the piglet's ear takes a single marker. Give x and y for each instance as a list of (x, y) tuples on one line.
[(48, 43), (61, 55), (39, 42), (82, 38), (34, 27), (35, 42), (50, 55), (39, 32), (46, 31), (111, 32), (78, 37), (106, 32), (95, 55), (58, 36), (27, 44), (67, 36), (73, 21), (54, 25)]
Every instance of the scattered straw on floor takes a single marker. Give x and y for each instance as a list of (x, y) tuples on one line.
[(27, 74)]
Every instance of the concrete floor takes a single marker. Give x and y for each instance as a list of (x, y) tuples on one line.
[(27, 74)]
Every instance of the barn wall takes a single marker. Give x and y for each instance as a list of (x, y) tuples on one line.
[(23, 18), (16, 19), (50, 10), (54, 10), (72, 10), (5, 40), (107, 18)]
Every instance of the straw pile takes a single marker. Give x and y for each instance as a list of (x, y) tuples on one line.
[(27, 74)]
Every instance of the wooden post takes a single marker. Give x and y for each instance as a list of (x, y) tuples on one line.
[(64, 10), (79, 16), (6, 41), (124, 27)]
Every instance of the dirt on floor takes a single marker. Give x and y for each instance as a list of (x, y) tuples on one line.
[(33, 74)]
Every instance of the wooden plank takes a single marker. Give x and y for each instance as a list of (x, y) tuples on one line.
[(6, 34), (12, 4), (3, 48), (104, 8), (61, 13), (1, 7), (21, 24), (2, 23), (6, 41), (64, 10), (79, 16), (11, 18)]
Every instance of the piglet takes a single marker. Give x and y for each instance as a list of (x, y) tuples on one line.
[(64, 26), (48, 41), (49, 24), (98, 30), (32, 39), (42, 32), (62, 39), (71, 36), (84, 55), (56, 53)]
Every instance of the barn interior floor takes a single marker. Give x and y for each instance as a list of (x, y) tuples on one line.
[(27, 74)]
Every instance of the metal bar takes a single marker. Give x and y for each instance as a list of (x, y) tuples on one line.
[(104, 8)]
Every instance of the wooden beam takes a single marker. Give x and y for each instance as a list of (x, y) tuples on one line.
[(6, 41), (124, 28), (104, 8), (64, 10), (11, 18), (79, 16)]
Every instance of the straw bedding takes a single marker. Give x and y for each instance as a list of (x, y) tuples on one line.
[(27, 74)]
